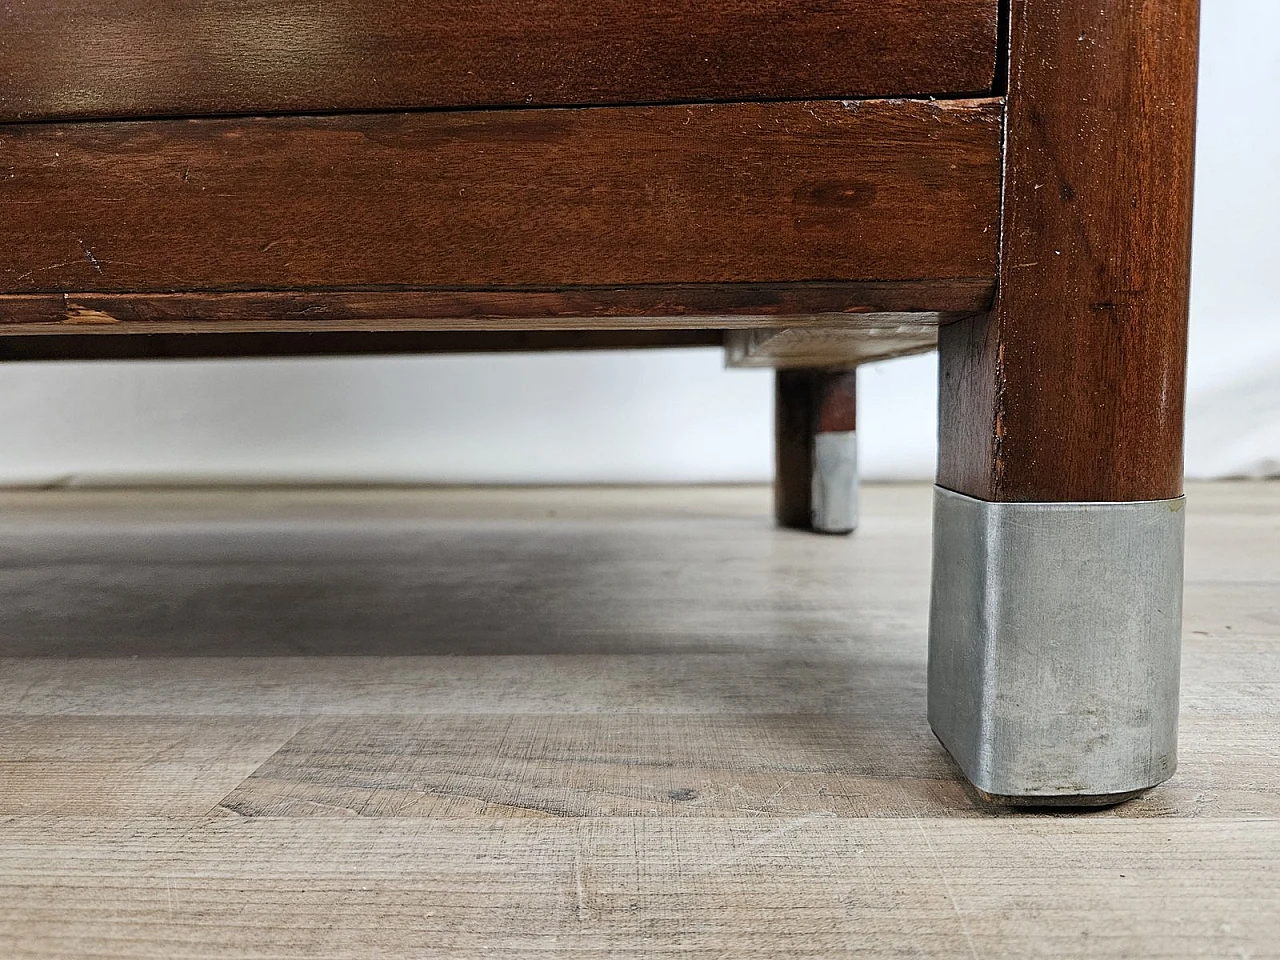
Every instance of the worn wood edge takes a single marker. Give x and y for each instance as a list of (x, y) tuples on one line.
[(687, 306), (828, 349), (212, 346)]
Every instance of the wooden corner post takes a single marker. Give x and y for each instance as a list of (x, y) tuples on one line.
[(1058, 527)]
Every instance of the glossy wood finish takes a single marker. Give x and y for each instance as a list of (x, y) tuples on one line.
[(669, 307), (752, 193), (129, 58), (1072, 390), (806, 402)]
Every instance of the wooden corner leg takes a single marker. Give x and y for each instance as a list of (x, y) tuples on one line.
[(1056, 619), (816, 484)]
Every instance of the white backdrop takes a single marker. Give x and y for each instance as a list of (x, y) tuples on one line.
[(662, 416)]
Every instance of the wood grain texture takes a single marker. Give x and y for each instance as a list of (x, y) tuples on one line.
[(81, 58), (806, 402), (835, 402), (1072, 390), (827, 348), (130, 766), (185, 346), (663, 772), (539, 766), (757, 887), (668, 307), (857, 305), (750, 193)]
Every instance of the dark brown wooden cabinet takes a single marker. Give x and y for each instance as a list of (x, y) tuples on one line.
[(812, 185)]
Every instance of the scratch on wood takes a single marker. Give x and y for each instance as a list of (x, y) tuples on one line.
[(751, 845), (946, 885), (88, 255), (78, 313)]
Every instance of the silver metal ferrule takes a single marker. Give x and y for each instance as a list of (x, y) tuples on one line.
[(1054, 645), (834, 491)]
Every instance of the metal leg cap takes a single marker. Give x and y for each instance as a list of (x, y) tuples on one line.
[(1054, 646), (834, 493)]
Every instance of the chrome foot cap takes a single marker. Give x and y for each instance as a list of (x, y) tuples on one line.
[(1054, 646)]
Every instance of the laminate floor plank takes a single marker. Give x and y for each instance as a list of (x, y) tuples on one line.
[(129, 766), (600, 765), (753, 887), (601, 723), (393, 573)]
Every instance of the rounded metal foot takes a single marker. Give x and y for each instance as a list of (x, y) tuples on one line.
[(834, 496), (1054, 646), (1063, 803)]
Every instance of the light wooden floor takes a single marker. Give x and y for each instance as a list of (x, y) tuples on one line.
[(591, 722)]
